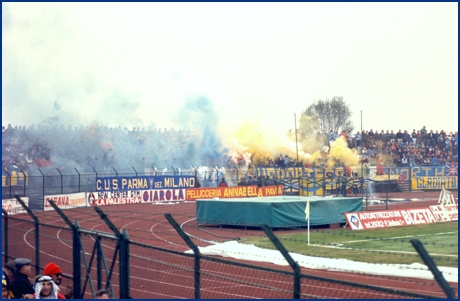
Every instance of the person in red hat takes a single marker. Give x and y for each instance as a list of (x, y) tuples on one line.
[(55, 272)]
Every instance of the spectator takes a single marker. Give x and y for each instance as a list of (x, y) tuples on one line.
[(251, 181), (431, 139), (342, 180), (269, 181), (197, 182), (243, 182), (223, 183), (392, 136), (414, 136), (358, 139), (20, 285), (287, 161), (6, 287), (426, 160), (424, 133), (45, 288), (399, 136), (55, 272), (9, 269), (404, 160), (103, 294)]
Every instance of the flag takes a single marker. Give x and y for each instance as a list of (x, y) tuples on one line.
[(56, 106), (452, 169), (307, 210)]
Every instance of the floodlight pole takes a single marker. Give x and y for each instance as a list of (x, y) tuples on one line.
[(296, 146)]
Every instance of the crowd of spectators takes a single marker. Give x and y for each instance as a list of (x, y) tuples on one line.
[(17, 284), (420, 147), (99, 147), (102, 148)]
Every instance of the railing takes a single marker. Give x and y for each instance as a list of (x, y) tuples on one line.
[(162, 273), (37, 183)]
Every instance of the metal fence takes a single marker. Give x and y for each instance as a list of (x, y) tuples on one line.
[(107, 258), (36, 183)]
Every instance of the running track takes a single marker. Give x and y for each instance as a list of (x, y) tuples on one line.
[(158, 274)]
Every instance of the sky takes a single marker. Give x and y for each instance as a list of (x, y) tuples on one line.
[(258, 64)]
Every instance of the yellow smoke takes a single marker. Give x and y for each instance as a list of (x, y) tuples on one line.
[(249, 138), (256, 146), (338, 154)]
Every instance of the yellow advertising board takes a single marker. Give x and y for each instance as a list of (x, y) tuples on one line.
[(435, 183)]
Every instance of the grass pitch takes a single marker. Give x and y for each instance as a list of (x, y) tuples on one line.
[(384, 246)]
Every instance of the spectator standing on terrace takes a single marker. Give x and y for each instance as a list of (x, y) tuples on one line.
[(280, 161), (358, 139), (404, 160), (243, 182), (20, 284), (55, 272), (251, 181), (399, 136), (431, 139), (223, 183), (424, 133), (287, 161), (371, 136), (414, 136), (343, 184)]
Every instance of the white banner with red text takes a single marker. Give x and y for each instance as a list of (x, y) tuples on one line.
[(103, 198), (401, 217), (65, 201), (12, 206)]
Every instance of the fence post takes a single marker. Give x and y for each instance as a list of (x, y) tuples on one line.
[(433, 268), (62, 181), (43, 184), (5, 238), (25, 180), (324, 182), (123, 241), (75, 251), (124, 265), (99, 262), (79, 179), (388, 187), (195, 250), (9, 182), (294, 265), (410, 178), (37, 234), (78, 294)]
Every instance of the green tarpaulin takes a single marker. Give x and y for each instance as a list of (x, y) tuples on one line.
[(276, 212)]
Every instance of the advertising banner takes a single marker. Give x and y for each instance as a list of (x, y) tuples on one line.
[(15, 178), (143, 183), (401, 217), (12, 206), (435, 183), (134, 196), (233, 192), (65, 201)]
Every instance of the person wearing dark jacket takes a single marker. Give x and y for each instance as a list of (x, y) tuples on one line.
[(223, 183), (20, 284)]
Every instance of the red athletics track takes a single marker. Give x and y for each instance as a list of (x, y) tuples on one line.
[(146, 224)]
